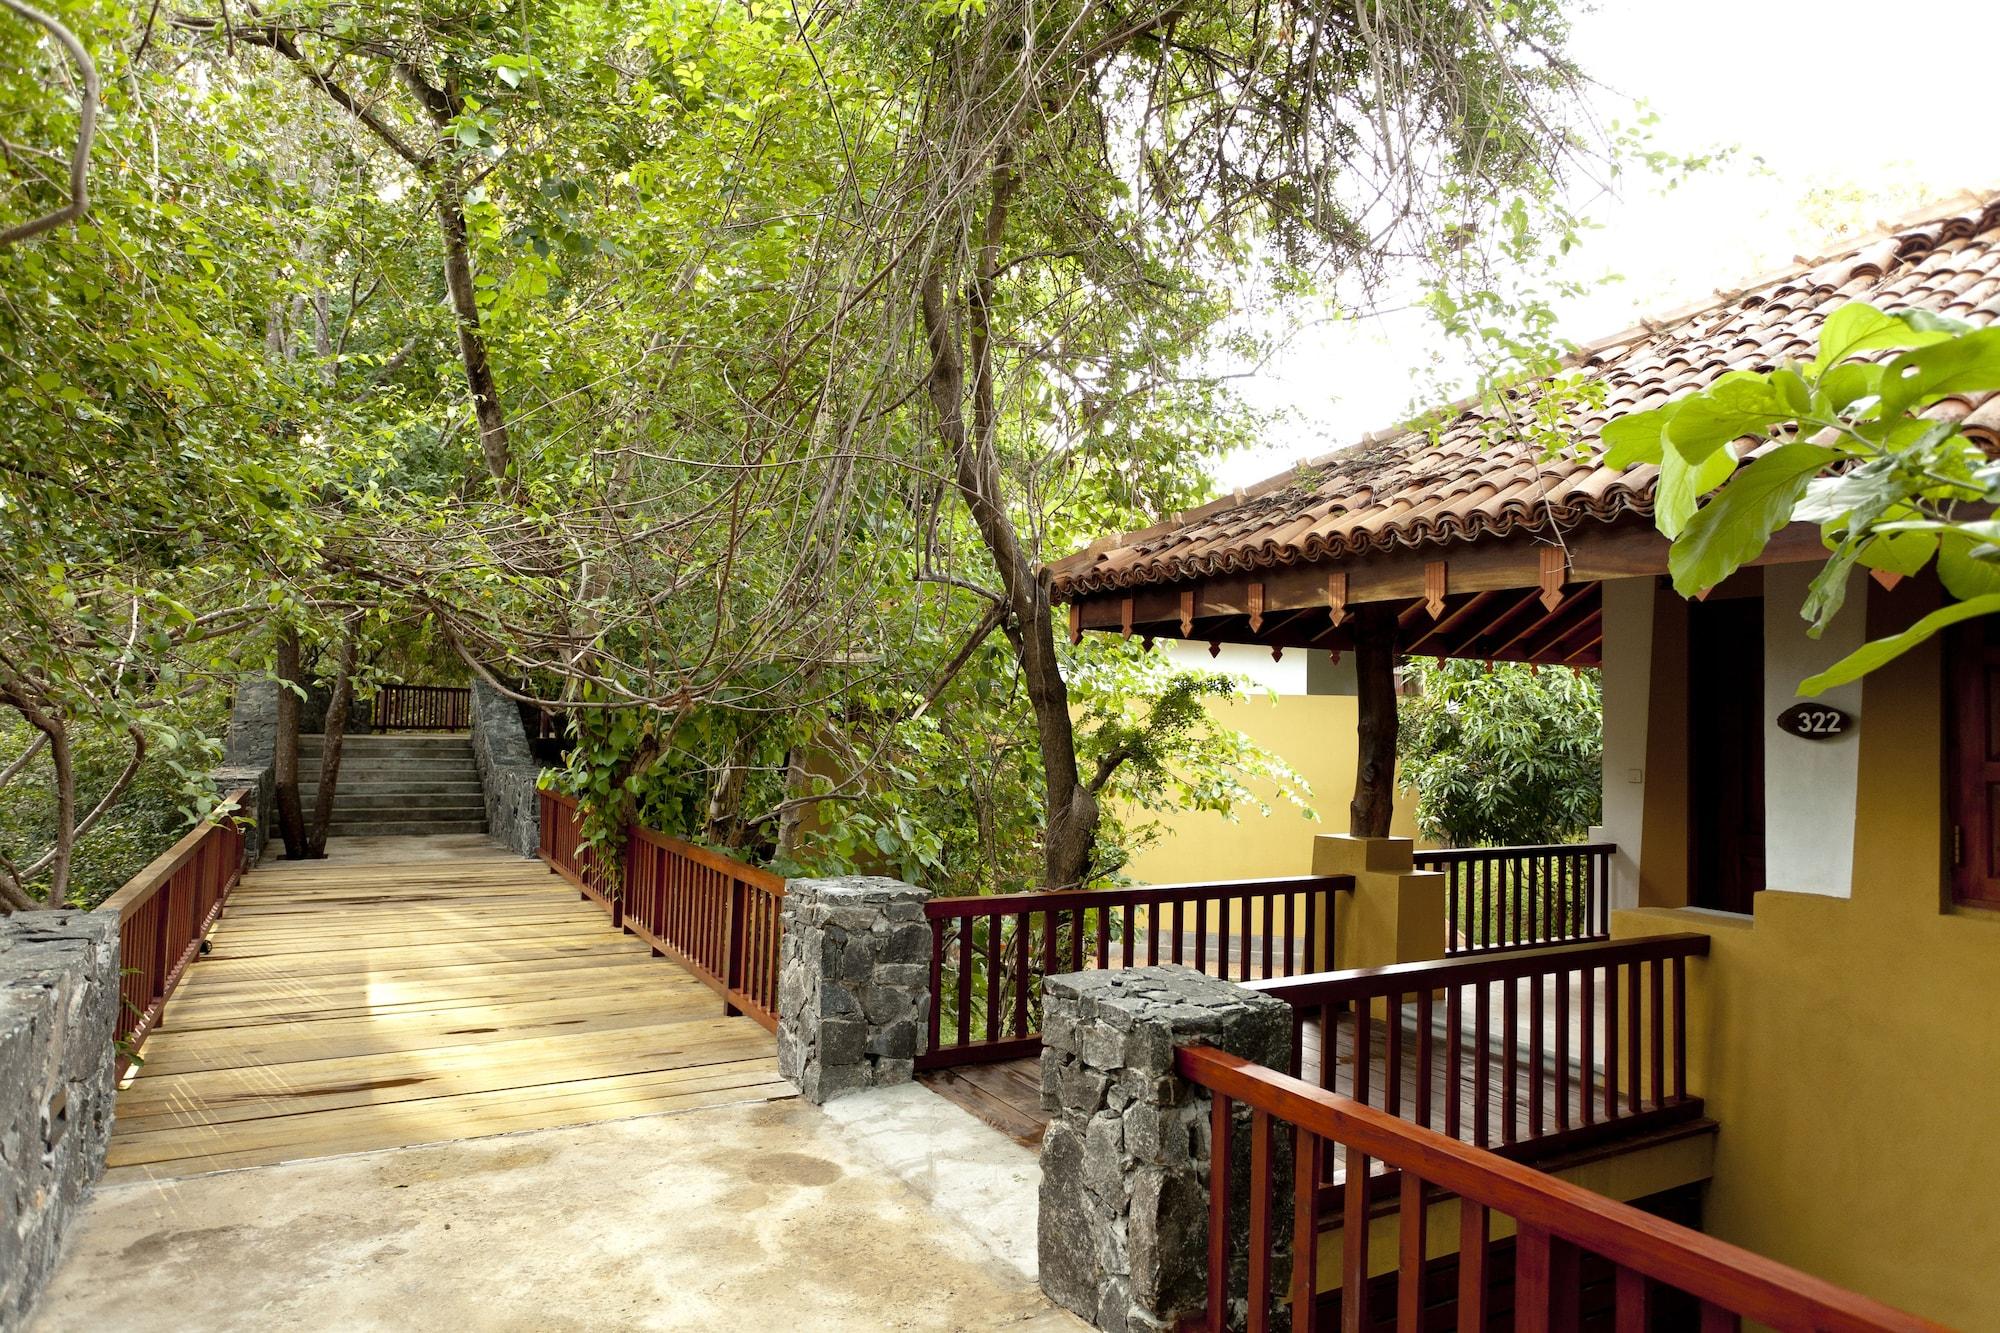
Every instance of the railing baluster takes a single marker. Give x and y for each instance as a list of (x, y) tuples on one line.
[(1023, 942), (1680, 1029), (1536, 1047), (1482, 1036), (1219, 1124), (1354, 1244), (965, 980), (1413, 1242), (1586, 1057), (1305, 1231), (1562, 1051), (1392, 1061), (1453, 1059), (1629, 1308), (1634, 1052), (1656, 982), (1474, 1234), (968, 985), (1426, 1049), (1260, 1221)]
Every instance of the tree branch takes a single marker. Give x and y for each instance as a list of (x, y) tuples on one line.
[(86, 129)]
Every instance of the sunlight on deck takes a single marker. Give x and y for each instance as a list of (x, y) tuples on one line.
[(407, 992)]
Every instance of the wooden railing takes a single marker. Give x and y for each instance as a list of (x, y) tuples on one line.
[(1523, 897), (1528, 1053), (716, 916), (423, 708), (164, 913), (989, 955), (1559, 1229)]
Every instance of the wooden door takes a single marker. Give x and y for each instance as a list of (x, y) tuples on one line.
[(1972, 788), (1725, 752)]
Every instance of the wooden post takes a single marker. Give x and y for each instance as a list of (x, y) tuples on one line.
[(1375, 679)]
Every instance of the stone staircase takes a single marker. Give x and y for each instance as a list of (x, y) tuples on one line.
[(398, 785)]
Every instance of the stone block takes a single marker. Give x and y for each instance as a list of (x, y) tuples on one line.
[(509, 774), (1125, 1163), (852, 1013)]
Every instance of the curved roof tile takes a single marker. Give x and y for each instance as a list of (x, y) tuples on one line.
[(1408, 488)]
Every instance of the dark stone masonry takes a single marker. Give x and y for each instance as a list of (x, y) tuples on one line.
[(58, 1000), (853, 984), (508, 770), (1125, 1162)]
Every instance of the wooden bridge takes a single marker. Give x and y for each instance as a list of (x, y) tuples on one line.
[(378, 1000)]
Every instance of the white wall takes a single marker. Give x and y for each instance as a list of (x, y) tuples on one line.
[(1253, 665), (1809, 786), (1628, 685)]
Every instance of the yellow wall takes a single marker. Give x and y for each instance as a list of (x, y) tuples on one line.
[(1315, 734), (1850, 1047)]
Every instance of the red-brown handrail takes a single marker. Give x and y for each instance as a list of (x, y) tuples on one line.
[(423, 708), (1523, 897), (1602, 1052), (989, 955), (1556, 1222), (717, 916), (164, 912)]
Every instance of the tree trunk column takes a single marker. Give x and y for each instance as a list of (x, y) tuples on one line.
[(1375, 676)]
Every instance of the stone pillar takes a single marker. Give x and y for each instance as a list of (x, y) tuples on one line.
[(248, 753), (1396, 912), (508, 770), (853, 984), (1125, 1163), (58, 1006)]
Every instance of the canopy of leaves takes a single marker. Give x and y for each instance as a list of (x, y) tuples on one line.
[(1509, 756), (1891, 488)]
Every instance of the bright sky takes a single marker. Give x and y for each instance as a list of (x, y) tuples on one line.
[(1842, 119)]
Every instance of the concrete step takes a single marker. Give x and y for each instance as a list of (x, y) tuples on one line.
[(416, 806), (368, 747), (389, 787), (356, 765), (403, 828)]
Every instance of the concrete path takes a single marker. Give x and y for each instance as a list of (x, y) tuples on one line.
[(888, 1210)]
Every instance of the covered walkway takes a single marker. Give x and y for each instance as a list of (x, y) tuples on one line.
[(416, 990)]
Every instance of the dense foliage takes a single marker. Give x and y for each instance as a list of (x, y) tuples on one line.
[(1892, 486), (1506, 756), (718, 371)]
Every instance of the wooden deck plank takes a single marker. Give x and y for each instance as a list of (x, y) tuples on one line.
[(352, 1007)]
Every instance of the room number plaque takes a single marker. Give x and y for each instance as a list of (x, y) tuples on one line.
[(1815, 722)]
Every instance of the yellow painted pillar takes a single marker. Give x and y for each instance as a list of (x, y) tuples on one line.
[(1395, 913)]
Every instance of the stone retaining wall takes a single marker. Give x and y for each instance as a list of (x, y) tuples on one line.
[(58, 1003), (508, 770)]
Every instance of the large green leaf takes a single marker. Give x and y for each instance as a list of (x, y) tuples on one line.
[(1870, 656), (1964, 573), (1637, 438), (1730, 530), (1967, 364), (1740, 403), (1860, 327), (1683, 483)]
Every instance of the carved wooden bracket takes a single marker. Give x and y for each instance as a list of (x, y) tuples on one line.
[(1277, 654), (1887, 578), (1256, 607), (1187, 612), (1336, 597), (1215, 647), (1555, 569), (1125, 617), (1075, 622), (1434, 588)]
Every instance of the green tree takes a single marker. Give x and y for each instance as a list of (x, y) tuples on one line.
[(1507, 756)]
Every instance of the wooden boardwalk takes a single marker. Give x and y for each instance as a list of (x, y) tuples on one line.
[(413, 990)]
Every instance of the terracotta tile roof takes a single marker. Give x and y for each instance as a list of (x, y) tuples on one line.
[(1399, 489)]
